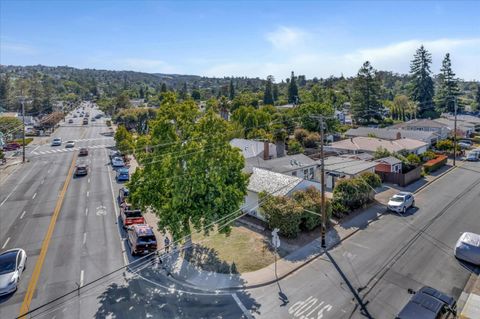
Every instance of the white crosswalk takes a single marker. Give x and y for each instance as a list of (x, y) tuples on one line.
[(93, 139), (63, 150)]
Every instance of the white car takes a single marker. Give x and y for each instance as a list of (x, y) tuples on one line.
[(12, 264), (400, 202), (69, 144), (117, 162), (468, 248), (57, 141)]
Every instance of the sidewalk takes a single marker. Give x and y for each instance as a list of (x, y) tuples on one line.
[(471, 309)]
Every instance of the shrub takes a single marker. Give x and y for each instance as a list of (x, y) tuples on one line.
[(350, 194), (413, 159), (108, 122), (435, 163), (28, 140), (444, 145), (311, 140), (283, 213), (300, 134), (372, 179), (381, 153), (311, 200), (428, 155), (294, 147)]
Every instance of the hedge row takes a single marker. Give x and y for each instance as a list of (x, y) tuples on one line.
[(434, 164)]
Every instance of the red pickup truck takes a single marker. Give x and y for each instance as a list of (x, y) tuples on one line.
[(130, 216)]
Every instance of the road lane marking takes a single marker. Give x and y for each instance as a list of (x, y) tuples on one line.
[(23, 214), (6, 242), (122, 241), (43, 181), (88, 193), (36, 148), (46, 242), (242, 307), (34, 195), (86, 211), (84, 238), (89, 179), (13, 190), (81, 278)]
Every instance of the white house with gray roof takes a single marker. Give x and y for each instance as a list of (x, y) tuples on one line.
[(252, 148), (425, 125), (394, 134), (298, 165), (339, 167), (273, 183)]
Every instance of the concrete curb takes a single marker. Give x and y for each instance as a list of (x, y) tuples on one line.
[(294, 269)]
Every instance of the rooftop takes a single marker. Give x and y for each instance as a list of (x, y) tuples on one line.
[(391, 134), (389, 160), (280, 164), (251, 148), (273, 183), (371, 144), (419, 123), (346, 165)]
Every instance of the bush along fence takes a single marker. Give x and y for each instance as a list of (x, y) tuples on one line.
[(434, 164)]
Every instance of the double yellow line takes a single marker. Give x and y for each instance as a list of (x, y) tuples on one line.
[(46, 242)]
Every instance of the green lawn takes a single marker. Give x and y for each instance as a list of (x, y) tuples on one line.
[(243, 251)]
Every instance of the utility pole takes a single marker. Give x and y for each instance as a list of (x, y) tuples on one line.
[(23, 120), (455, 131), (323, 230)]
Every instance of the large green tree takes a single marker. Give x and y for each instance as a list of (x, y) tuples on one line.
[(268, 93), (366, 104), (292, 89), (448, 89), (421, 84), (192, 178), (231, 90)]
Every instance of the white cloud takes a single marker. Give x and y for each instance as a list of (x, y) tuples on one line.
[(285, 38), (396, 57)]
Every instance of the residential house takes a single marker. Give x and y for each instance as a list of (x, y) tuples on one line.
[(369, 145), (388, 164), (393, 134), (273, 183), (475, 121), (339, 167), (426, 125), (298, 165), (340, 115), (464, 129), (251, 148)]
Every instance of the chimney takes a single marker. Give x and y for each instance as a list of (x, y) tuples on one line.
[(399, 135), (266, 150), (280, 145)]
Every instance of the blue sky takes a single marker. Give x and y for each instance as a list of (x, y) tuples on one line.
[(240, 38)]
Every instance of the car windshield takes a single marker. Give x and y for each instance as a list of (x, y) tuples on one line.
[(8, 262), (146, 239), (133, 213), (397, 199)]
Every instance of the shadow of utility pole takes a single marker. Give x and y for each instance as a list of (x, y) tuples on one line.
[(363, 306)]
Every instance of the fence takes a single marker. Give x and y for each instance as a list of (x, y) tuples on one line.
[(401, 178)]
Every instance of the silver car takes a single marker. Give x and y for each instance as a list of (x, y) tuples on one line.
[(12, 264), (400, 202), (468, 248)]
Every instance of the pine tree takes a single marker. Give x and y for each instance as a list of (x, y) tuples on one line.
[(231, 91), (268, 93), (421, 85), (163, 88), (292, 90), (184, 91), (141, 93), (275, 92), (366, 105), (447, 88)]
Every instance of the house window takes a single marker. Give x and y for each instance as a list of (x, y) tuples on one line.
[(305, 174), (312, 173)]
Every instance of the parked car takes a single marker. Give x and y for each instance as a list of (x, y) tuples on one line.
[(473, 156), (123, 174), (70, 144), (468, 248), (70, 121), (12, 146), (93, 119), (114, 154), (400, 202), (83, 152), (117, 162), (464, 145), (123, 195), (12, 264), (429, 303), (130, 215), (81, 170), (141, 239), (75, 115), (85, 121)]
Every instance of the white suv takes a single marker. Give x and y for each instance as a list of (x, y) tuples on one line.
[(400, 202), (57, 141)]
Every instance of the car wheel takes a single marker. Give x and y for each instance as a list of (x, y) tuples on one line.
[(404, 209), (413, 204)]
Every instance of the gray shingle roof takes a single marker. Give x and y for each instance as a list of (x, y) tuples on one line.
[(391, 134), (273, 183), (281, 164), (419, 123), (389, 160), (251, 148), (346, 165)]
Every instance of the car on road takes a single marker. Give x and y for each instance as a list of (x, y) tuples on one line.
[(141, 239), (429, 303), (70, 144), (70, 121), (85, 121), (12, 146), (473, 156), (83, 151), (75, 115), (12, 264), (400, 202), (123, 195), (464, 145), (93, 119), (130, 215), (118, 162), (468, 248), (57, 141), (81, 170), (123, 174)]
